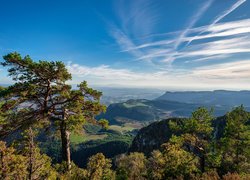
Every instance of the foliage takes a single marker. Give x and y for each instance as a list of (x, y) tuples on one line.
[(41, 98), (99, 167), (38, 165), (172, 161), (236, 142), (40, 94), (75, 173), (197, 134), (209, 175), (132, 166), (12, 165)]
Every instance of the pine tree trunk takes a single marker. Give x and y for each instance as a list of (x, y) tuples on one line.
[(65, 135), (202, 163), (3, 174), (31, 154)]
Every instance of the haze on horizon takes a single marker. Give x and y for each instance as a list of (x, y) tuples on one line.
[(176, 45)]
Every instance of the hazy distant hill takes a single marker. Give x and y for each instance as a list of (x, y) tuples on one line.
[(117, 95), (175, 104), (214, 98), (142, 110)]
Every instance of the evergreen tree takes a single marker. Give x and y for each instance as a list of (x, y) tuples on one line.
[(99, 168), (12, 165), (236, 142), (38, 165), (197, 134), (172, 161), (75, 173), (132, 166), (41, 94)]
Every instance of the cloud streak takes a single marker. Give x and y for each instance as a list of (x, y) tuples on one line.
[(228, 11), (193, 21), (221, 16), (222, 75), (208, 50), (222, 38)]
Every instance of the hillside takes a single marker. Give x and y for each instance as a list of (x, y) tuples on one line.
[(145, 111), (93, 139), (154, 135), (174, 104)]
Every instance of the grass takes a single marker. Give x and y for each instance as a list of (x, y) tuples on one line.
[(121, 129), (80, 138), (91, 133)]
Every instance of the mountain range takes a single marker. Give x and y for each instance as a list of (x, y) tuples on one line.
[(175, 104)]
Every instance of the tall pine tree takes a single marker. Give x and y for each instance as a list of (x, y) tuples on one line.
[(40, 95)]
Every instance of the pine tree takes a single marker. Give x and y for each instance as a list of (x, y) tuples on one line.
[(41, 95), (99, 168), (172, 161), (12, 165), (236, 142), (133, 166), (197, 134), (38, 165)]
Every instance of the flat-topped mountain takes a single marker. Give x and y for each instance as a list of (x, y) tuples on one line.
[(214, 98)]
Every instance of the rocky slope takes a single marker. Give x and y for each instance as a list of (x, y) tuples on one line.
[(154, 135)]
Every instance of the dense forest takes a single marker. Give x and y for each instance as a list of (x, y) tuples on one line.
[(41, 101)]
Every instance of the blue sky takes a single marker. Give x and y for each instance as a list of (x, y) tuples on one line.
[(169, 44)]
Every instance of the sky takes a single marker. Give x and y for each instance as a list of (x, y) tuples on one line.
[(166, 44)]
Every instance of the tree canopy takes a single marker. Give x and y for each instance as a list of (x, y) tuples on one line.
[(41, 95)]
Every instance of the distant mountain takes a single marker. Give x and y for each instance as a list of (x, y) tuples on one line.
[(142, 110), (211, 98), (175, 104), (118, 95)]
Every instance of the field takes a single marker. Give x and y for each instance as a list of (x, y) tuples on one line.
[(80, 138), (93, 132)]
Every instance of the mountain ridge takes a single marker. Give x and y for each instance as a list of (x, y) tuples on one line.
[(175, 104)]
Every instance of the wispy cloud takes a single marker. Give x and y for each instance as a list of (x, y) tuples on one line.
[(124, 41), (167, 50), (234, 70), (233, 28), (136, 19), (225, 46), (221, 16), (210, 77), (222, 38), (228, 11), (193, 21), (214, 48), (203, 59)]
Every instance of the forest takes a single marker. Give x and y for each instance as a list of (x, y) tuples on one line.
[(41, 101)]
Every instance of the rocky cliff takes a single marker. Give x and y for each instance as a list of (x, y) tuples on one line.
[(154, 135)]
